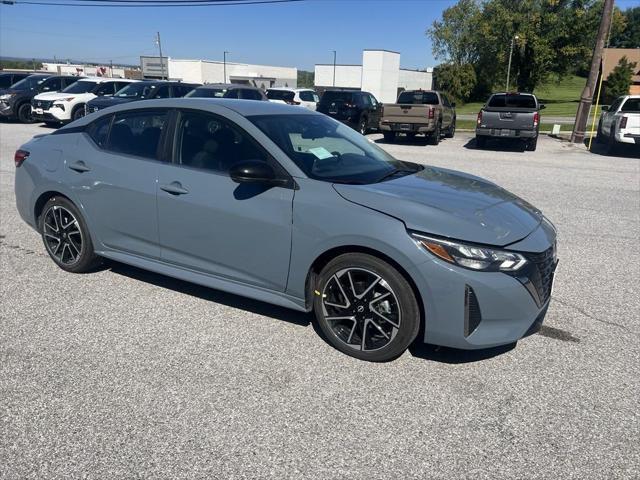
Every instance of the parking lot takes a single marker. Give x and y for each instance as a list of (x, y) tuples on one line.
[(127, 374)]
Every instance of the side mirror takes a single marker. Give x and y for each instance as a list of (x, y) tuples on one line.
[(542, 106), (604, 108), (254, 171)]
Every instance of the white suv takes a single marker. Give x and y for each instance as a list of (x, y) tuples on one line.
[(68, 105), (620, 123), (305, 97)]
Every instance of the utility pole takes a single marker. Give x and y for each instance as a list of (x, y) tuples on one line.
[(587, 94), (34, 64), (513, 39), (111, 68), (334, 68), (159, 43), (224, 65)]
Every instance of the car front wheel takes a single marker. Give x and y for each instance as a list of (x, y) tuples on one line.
[(366, 308), (24, 113), (66, 236)]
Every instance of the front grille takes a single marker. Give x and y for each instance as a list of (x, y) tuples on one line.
[(43, 104), (537, 275)]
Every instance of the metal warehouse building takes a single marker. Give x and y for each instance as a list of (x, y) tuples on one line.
[(210, 71), (380, 74)]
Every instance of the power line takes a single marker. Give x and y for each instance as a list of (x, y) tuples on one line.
[(152, 3)]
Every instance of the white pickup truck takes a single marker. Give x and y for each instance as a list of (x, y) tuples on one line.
[(620, 123)]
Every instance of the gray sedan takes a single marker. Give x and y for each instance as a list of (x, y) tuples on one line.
[(293, 208)]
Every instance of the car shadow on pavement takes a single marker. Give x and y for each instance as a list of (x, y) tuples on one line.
[(420, 141), (500, 145), (212, 295), (622, 151), (455, 356)]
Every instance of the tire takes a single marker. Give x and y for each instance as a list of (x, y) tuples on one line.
[(480, 142), (434, 139), (451, 131), (347, 287), (24, 113), (532, 144), (77, 113), (599, 134), (69, 246), (389, 136), (362, 125)]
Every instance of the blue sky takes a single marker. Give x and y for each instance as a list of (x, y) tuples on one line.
[(298, 34)]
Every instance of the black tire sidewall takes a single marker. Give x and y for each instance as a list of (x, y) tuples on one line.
[(20, 113), (410, 312), (435, 137), (77, 113), (88, 259), (362, 125)]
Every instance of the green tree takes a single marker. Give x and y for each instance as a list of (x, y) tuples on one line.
[(619, 80), (455, 36), (305, 79), (459, 81), (629, 35)]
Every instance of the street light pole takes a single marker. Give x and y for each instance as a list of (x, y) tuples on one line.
[(160, 50), (334, 68), (513, 39), (224, 61)]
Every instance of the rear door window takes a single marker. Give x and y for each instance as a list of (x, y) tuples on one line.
[(419, 98), (336, 97), (105, 88), (163, 92), (137, 132), (250, 94), (99, 130), (309, 96), (512, 100), (285, 95), (181, 90)]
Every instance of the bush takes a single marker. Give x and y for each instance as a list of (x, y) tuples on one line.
[(458, 81), (619, 80)]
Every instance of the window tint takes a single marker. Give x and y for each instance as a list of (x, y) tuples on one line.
[(337, 97), (616, 104), (137, 133), (373, 100), (308, 96), (69, 81), (163, 92), (232, 93), (207, 92), (51, 85), (512, 100), (285, 95), (82, 86), (181, 90), (418, 97), (6, 81), (249, 94), (365, 100), (121, 85), (105, 88), (99, 130), (211, 143), (631, 105)]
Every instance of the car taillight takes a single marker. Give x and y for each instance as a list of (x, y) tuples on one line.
[(536, 119), (479, 120), (623, 122), (432, 112), (20, 157)]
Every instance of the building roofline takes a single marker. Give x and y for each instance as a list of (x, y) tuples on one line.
[(379, 50)]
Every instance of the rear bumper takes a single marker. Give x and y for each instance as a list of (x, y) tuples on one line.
[(505, 133), (388, 126), (628, 138)]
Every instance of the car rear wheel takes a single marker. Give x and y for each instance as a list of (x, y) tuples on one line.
[(24, 113), (362, 125), (389, 136), (366, 308), (66, 236), (435, 136)]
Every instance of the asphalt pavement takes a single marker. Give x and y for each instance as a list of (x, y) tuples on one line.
[(128, 374)]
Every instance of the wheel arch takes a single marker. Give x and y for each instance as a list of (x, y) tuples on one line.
[(325, 257), (42, 200)]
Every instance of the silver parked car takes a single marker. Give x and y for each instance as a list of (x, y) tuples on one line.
[(291, 207)]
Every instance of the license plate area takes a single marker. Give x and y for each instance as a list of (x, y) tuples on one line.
[(404, 127), (505, 132)]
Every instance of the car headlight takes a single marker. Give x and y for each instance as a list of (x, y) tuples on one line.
[(471, 256), (6, 96)]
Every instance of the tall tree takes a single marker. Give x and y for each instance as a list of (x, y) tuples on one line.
[(620, 79), (629, 35)]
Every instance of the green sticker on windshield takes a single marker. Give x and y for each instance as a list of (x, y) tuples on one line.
[(320, 152)]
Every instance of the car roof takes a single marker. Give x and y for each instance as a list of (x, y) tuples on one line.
[(288, 89), (168, 82), (228, 86), (106, 79)]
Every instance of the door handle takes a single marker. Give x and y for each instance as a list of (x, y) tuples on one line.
[(174, 188), (79, 167)]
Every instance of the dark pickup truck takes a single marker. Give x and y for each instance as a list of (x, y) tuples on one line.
[(509, 116)]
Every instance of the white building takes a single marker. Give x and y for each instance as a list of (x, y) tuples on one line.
[(379, 74), (84, 70), (209, 71)]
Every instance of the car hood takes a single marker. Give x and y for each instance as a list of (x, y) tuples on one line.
[(450, 204), (104, 102), (54, 95)]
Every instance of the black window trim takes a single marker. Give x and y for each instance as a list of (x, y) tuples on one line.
[(171, 145)]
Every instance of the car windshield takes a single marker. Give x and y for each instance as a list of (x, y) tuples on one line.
[(29, 83), (632, 105), (136, 90), (80, 87), (420, 98), (280, 95), (207, 92), (330, 151), (514, 100)]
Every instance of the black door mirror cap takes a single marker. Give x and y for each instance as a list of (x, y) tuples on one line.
[(255, 171), (542, 106)]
